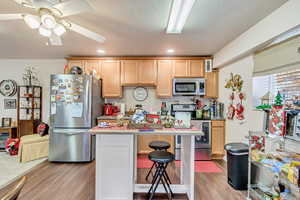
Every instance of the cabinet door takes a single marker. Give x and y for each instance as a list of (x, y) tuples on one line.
[(147, 72), (93, 67), (196, 68), (212, 84), (111, 76), (129, 72), (181, 68), (144, 141), (218, 140), (73, 63), (164, 78)]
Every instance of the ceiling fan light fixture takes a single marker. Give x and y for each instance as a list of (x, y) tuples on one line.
[(180, 11), (45, 32), (32, 21), (59, 30), (48, 21)]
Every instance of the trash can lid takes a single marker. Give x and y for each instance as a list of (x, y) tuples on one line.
[(237, 147)]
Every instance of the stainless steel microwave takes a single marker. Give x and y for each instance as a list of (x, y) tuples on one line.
[(188, 86)]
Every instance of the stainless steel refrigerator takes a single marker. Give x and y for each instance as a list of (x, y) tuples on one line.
[(75, 103)]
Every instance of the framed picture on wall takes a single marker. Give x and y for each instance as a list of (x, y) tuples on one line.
[(6, 122), (10, 103)]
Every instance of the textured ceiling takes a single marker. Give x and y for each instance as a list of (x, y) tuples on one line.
[(137, 27)]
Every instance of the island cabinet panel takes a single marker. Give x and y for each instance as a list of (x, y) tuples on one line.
[(93, 67), (130, 72), (212, 84), (144, 141), (164, 78), (147, 72), (196, 68), (218, 138), (111, 79), (181, 68)]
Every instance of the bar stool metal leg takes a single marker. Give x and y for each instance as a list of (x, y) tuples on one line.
[(150, 171)]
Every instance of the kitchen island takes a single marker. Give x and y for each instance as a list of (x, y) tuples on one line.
[(116, 162)]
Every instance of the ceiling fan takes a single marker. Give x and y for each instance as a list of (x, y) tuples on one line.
[(51, 19)]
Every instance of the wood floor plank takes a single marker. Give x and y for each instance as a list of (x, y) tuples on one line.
[(61, 181)]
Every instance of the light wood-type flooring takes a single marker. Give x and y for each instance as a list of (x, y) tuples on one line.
[(59, 181)]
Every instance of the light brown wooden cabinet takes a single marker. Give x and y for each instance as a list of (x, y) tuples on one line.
[(217, 138), (138, 72), (111, 79), (147, 72), (212, 84), (188, 68), (143, 142), (93, 67), (196, 68), (164, 78), (73, 63)]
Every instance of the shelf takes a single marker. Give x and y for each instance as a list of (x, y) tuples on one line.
[(255, 194)]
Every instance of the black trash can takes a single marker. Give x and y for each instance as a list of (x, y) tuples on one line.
[(237, 165)]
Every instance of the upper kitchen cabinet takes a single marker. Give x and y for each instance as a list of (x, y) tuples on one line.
[(147, 72), (73, 63), (188, 68), (212, 84), (138, 72), (196, 68), (93, 67), (181, 68), (164, 78), (111, 79), (129, 72)]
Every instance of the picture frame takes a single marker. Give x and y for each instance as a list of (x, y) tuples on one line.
[(6, 122), (10, 104)]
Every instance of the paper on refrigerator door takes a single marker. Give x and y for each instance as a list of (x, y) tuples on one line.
[(53, 108), (77, 109)]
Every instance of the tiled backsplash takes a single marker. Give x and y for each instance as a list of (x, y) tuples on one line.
[(152, 103)]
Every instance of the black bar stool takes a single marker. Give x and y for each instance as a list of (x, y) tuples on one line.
[(157, 146), (161, 160)]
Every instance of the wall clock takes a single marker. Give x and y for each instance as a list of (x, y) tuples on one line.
[(8, 88), (140, 93)]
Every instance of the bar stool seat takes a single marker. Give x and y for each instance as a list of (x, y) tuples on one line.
[(161, 159), (159, 145), (161, 156)]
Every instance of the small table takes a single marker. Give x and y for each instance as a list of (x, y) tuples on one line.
[(12, 131)]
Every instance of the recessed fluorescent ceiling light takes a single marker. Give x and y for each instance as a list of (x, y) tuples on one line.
[(100, 51), (180, 11), (170, 51)]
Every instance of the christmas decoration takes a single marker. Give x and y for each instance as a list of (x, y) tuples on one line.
[(240, 108), (277, 121), (30, 76), (278, 99), (265, 102), (231, 108)]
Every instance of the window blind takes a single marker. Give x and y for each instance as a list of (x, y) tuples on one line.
[(287, 83)]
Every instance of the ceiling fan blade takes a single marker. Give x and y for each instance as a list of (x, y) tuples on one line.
[(87, 33), (11, 16), (55, 40), (73, 7)]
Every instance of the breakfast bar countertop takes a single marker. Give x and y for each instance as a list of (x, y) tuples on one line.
[(164, 131)]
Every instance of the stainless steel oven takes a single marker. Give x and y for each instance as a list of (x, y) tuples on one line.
[(188, 86)]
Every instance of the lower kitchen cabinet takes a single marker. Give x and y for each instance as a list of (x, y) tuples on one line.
[(144, 140), (218, 139)]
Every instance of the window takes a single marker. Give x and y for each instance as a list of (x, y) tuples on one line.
[(287, 83)]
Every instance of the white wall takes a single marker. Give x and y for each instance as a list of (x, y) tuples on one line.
[(235, 130), (13, 69), (280, 21)]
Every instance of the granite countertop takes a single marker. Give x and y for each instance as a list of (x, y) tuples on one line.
[(105, 117), (125, 131)]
